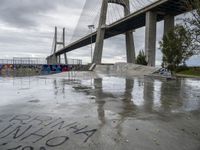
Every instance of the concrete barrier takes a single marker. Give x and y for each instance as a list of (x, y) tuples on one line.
[(125, 69)]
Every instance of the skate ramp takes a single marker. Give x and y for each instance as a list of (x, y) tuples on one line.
[(125, 69)]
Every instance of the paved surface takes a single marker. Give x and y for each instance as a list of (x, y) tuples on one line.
[(95, 112)]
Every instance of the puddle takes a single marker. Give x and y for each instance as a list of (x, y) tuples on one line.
[(123, 113), (34, 101)]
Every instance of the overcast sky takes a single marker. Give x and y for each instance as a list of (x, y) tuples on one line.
[(27, 28)]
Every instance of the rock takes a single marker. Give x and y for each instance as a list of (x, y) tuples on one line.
[(156, 141), (92, 97), (157, 131)]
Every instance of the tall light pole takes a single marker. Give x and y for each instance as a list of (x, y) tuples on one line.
[(91, 27)]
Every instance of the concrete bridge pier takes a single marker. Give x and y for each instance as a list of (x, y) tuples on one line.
[(59, 59), (54, 59), (65, 56), (150, 34), (100, 33), (168, 23), (48, 60), (150, 38), (130, 48)]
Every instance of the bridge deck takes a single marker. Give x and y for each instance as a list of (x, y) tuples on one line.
[(131, 22)]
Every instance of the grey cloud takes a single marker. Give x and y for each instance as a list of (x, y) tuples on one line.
[(33, 25), (20, 12)]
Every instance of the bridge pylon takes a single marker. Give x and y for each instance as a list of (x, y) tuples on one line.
[(150, 34), (54, 59), (130, 48)]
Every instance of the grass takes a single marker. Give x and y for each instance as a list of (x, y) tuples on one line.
[(191, 71)]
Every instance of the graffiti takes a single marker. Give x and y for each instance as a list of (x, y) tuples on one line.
[(48, 69), (59, 141), (26, 148), (10, 69), (34, 130)]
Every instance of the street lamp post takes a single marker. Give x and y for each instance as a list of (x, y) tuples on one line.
[(91, 27)]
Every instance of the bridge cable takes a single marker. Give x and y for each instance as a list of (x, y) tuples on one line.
[(126, 5), (86, 16), (120, 12), (117, 12)]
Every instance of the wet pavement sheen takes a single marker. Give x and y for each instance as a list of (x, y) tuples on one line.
[(108, 113)]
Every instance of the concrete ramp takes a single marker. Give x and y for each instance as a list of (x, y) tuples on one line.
[(125, 69)]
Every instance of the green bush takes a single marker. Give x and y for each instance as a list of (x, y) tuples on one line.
[(141, 58)]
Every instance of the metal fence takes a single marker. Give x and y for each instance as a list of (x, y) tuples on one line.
[(74, 61), (34, 61)]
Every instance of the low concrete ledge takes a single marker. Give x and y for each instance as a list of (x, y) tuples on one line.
[(125, 69)]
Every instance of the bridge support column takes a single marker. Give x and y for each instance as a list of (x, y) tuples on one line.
[(130, 47), (150, 38), (51, 60), (59, 59), (65, 56), (168, 23), (54, 59), (47, 59), (100, 34)]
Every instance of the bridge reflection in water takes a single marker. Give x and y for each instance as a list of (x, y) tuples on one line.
[(139, 97), (140, 112), (124, 97)]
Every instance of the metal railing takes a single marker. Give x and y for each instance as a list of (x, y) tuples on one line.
[(23, 60), (34, 61)]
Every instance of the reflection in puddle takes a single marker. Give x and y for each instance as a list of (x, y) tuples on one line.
[(117, 107), (147, 94), (121, 96)]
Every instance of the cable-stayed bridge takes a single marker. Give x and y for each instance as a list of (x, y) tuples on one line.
[(114, 17)]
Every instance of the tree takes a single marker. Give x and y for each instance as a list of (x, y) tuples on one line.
[(192, 24), (176, 47), (141, 58)]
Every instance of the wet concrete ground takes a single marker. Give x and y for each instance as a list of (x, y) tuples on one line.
[(107, 113)]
